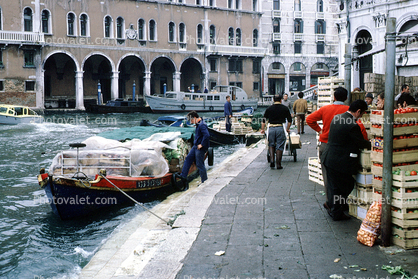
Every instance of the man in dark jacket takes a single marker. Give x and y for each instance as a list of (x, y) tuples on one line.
[(228, 113), (200, 146), (341, 157)]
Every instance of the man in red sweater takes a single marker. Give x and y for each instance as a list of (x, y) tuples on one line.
[(326, 114)]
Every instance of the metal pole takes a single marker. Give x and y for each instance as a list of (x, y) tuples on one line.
[(388, 131), (99, 94), (133, 91), (192, 87), (347, 71), (165, 88)]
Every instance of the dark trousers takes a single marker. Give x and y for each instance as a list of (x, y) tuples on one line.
[(321, 149), (300, 120), (195, 156), (228, 123), (340, 185)]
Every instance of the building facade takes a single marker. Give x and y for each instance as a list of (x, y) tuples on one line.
[(362, 24), (302, 42), (55, 53)]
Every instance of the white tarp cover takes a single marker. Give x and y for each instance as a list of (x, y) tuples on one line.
[(131, 158)]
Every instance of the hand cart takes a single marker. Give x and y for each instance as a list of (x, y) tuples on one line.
[(292, 144)]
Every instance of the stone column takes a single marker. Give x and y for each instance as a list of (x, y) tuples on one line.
[(39, 83), (114, 91), (176, 81), (79, 93), (356, 69), (147, 83), (287, 83), (308, 79)]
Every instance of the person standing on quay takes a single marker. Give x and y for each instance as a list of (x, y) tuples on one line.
[(228, 113), (300, 108), (341, 156), (277, 114), (287, 103), (200, 146)]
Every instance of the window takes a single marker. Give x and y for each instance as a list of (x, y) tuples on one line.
[(1, 85), (212, 63), (182, 32), (212, 3), (276, 25), (27, 18), (297, 66), (298, 6), (255, 4), (152, 30), (198, 2), (1, 13), (210, 98), (276, 48), (255, 38), (298, 25), (29, 58), (255, 86), (230, 4), (29, 85), (212, 85), (1, 58), (71, 24), (298, 47), (320, 6), (141, 28), (171, 32), (119, 27), (237, 4), (199, 34), (320, 48), (84, 25), (235, 65), (320, 26), (216, 98), (231, 36), (45, 21), (212, 34), (256, 66), (276, 4), (108, 27), (238, 37)]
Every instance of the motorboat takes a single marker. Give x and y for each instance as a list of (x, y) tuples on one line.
[(13, 115)]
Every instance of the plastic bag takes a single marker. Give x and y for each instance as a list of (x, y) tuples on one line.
[(370, 228)]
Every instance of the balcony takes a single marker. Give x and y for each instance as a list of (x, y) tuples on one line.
[(320, 15), (320, 37), (21, 37), (297, 14), (277, 36), (276, 13), (298, 37), (236, 50)]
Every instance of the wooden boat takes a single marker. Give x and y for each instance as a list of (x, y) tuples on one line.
[(222, 137), (73, 192), (13, 115), (119, 106), (164, 121), (178, 101)]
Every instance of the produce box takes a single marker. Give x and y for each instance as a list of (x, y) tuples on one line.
[(377, 116), (399, 130), (405, 233), (377, 169), (365, 161), (405, 243), (397, 157), (365, 193), (398, 142), (364, 178)]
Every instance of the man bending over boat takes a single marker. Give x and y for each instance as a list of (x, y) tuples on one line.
[(200, 146)]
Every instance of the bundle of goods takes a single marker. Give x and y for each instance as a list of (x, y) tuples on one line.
[(370, 227)]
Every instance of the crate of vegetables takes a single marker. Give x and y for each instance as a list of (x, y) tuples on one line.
[(399, 129), (399, 142), (377, 168), (405, 217), (398, 156), (405, 233), (405, 243), (404, 115)]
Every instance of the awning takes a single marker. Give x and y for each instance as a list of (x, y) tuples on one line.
[(377, 49)]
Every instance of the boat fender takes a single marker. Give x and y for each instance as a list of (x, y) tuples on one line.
[(183, 106), (210, 108), (179, 183), (210, 156), (242, 107)]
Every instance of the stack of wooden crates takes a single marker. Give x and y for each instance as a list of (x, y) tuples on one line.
[(404, 186), (326, 87), (375, 83)]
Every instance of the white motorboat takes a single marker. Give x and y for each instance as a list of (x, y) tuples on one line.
[(12, 115), (173, 101)]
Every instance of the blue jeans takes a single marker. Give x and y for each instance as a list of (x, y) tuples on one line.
[(195, 156)]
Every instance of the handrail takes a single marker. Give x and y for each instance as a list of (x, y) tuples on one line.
[(16, 36)]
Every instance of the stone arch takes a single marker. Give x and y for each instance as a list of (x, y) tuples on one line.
[(363, 43), (162, 70), (98, 68), (191, 73), (297, 77), (131, 69), (318, 69), (276, 78)]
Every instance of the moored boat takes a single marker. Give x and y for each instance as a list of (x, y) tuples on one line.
[(80, 182), (173, 101), (13, 115), (119, 106)]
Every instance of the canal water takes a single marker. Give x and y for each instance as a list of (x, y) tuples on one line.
[(34, 243)]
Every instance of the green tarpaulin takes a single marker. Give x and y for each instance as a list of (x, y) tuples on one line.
[(143, 132)]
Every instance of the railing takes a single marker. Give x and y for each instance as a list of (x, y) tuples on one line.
[(236, 49), (23, 37), (298, 37), (276, 13), (297, 14), (277, 36), (320, 15), (320, 37), (308, 93)]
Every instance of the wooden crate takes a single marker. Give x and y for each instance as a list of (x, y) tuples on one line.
[(397, 143), (404, 181), (372, 77), (405, 243), (404, 223), (364, 192), (378, 184), (378, 171), (397, 118), (405, 233), (398, 131), (397, 157), (365, 161)]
